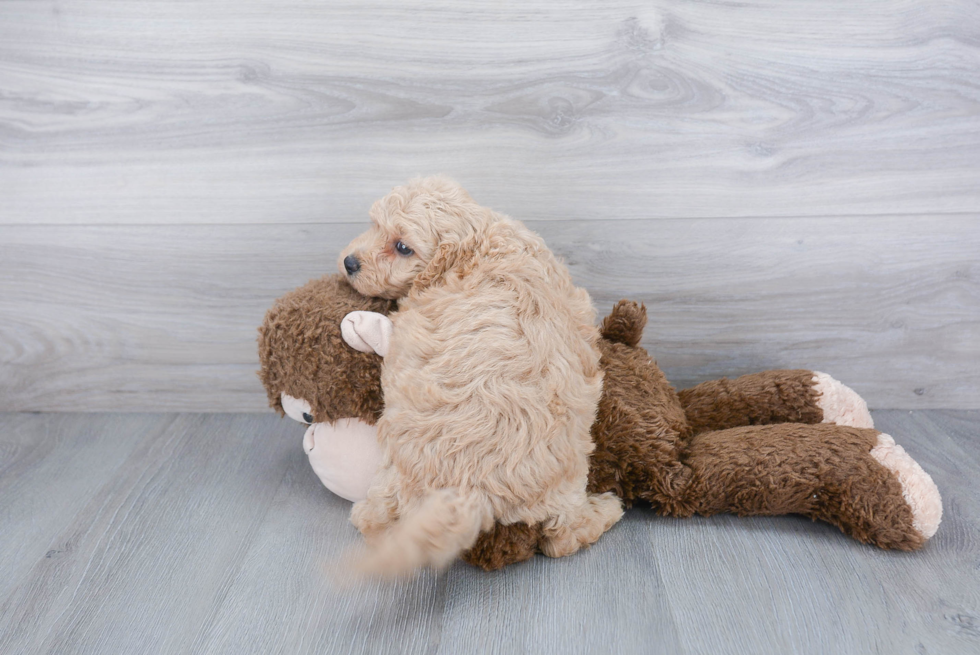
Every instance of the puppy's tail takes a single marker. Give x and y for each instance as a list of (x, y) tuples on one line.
[(445, 524)]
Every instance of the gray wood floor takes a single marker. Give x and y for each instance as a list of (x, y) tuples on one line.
[(191, 533), (786, 184)]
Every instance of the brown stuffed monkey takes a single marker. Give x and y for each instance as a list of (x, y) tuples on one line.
[(777, 442)]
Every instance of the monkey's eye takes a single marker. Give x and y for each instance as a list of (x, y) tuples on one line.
[(296, 408), (403, 249)]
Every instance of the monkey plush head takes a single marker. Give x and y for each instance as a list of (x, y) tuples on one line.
[(311, 375)]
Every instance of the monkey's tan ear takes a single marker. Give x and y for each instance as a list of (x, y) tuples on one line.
[(368, 332)]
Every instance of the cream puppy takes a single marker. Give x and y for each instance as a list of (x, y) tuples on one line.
[(491, 383)]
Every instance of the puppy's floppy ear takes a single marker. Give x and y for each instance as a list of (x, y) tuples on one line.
[(445, 258)]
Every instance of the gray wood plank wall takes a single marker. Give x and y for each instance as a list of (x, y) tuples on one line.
[(784, 184)]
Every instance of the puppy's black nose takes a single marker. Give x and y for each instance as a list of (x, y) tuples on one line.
[(351, 264)]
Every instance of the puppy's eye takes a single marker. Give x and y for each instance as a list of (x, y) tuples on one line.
[(403, 249), (307, 417)]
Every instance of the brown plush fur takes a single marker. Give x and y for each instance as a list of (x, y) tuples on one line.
[(303, 354), (755, 399), (733, 450), (820, 471)]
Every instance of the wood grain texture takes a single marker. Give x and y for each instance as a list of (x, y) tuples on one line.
[(580, 608), (306, 603), (824, 592), (158, 544), (945, 444), (210, 534), (50, 468), (136, 318), (253, 111)]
